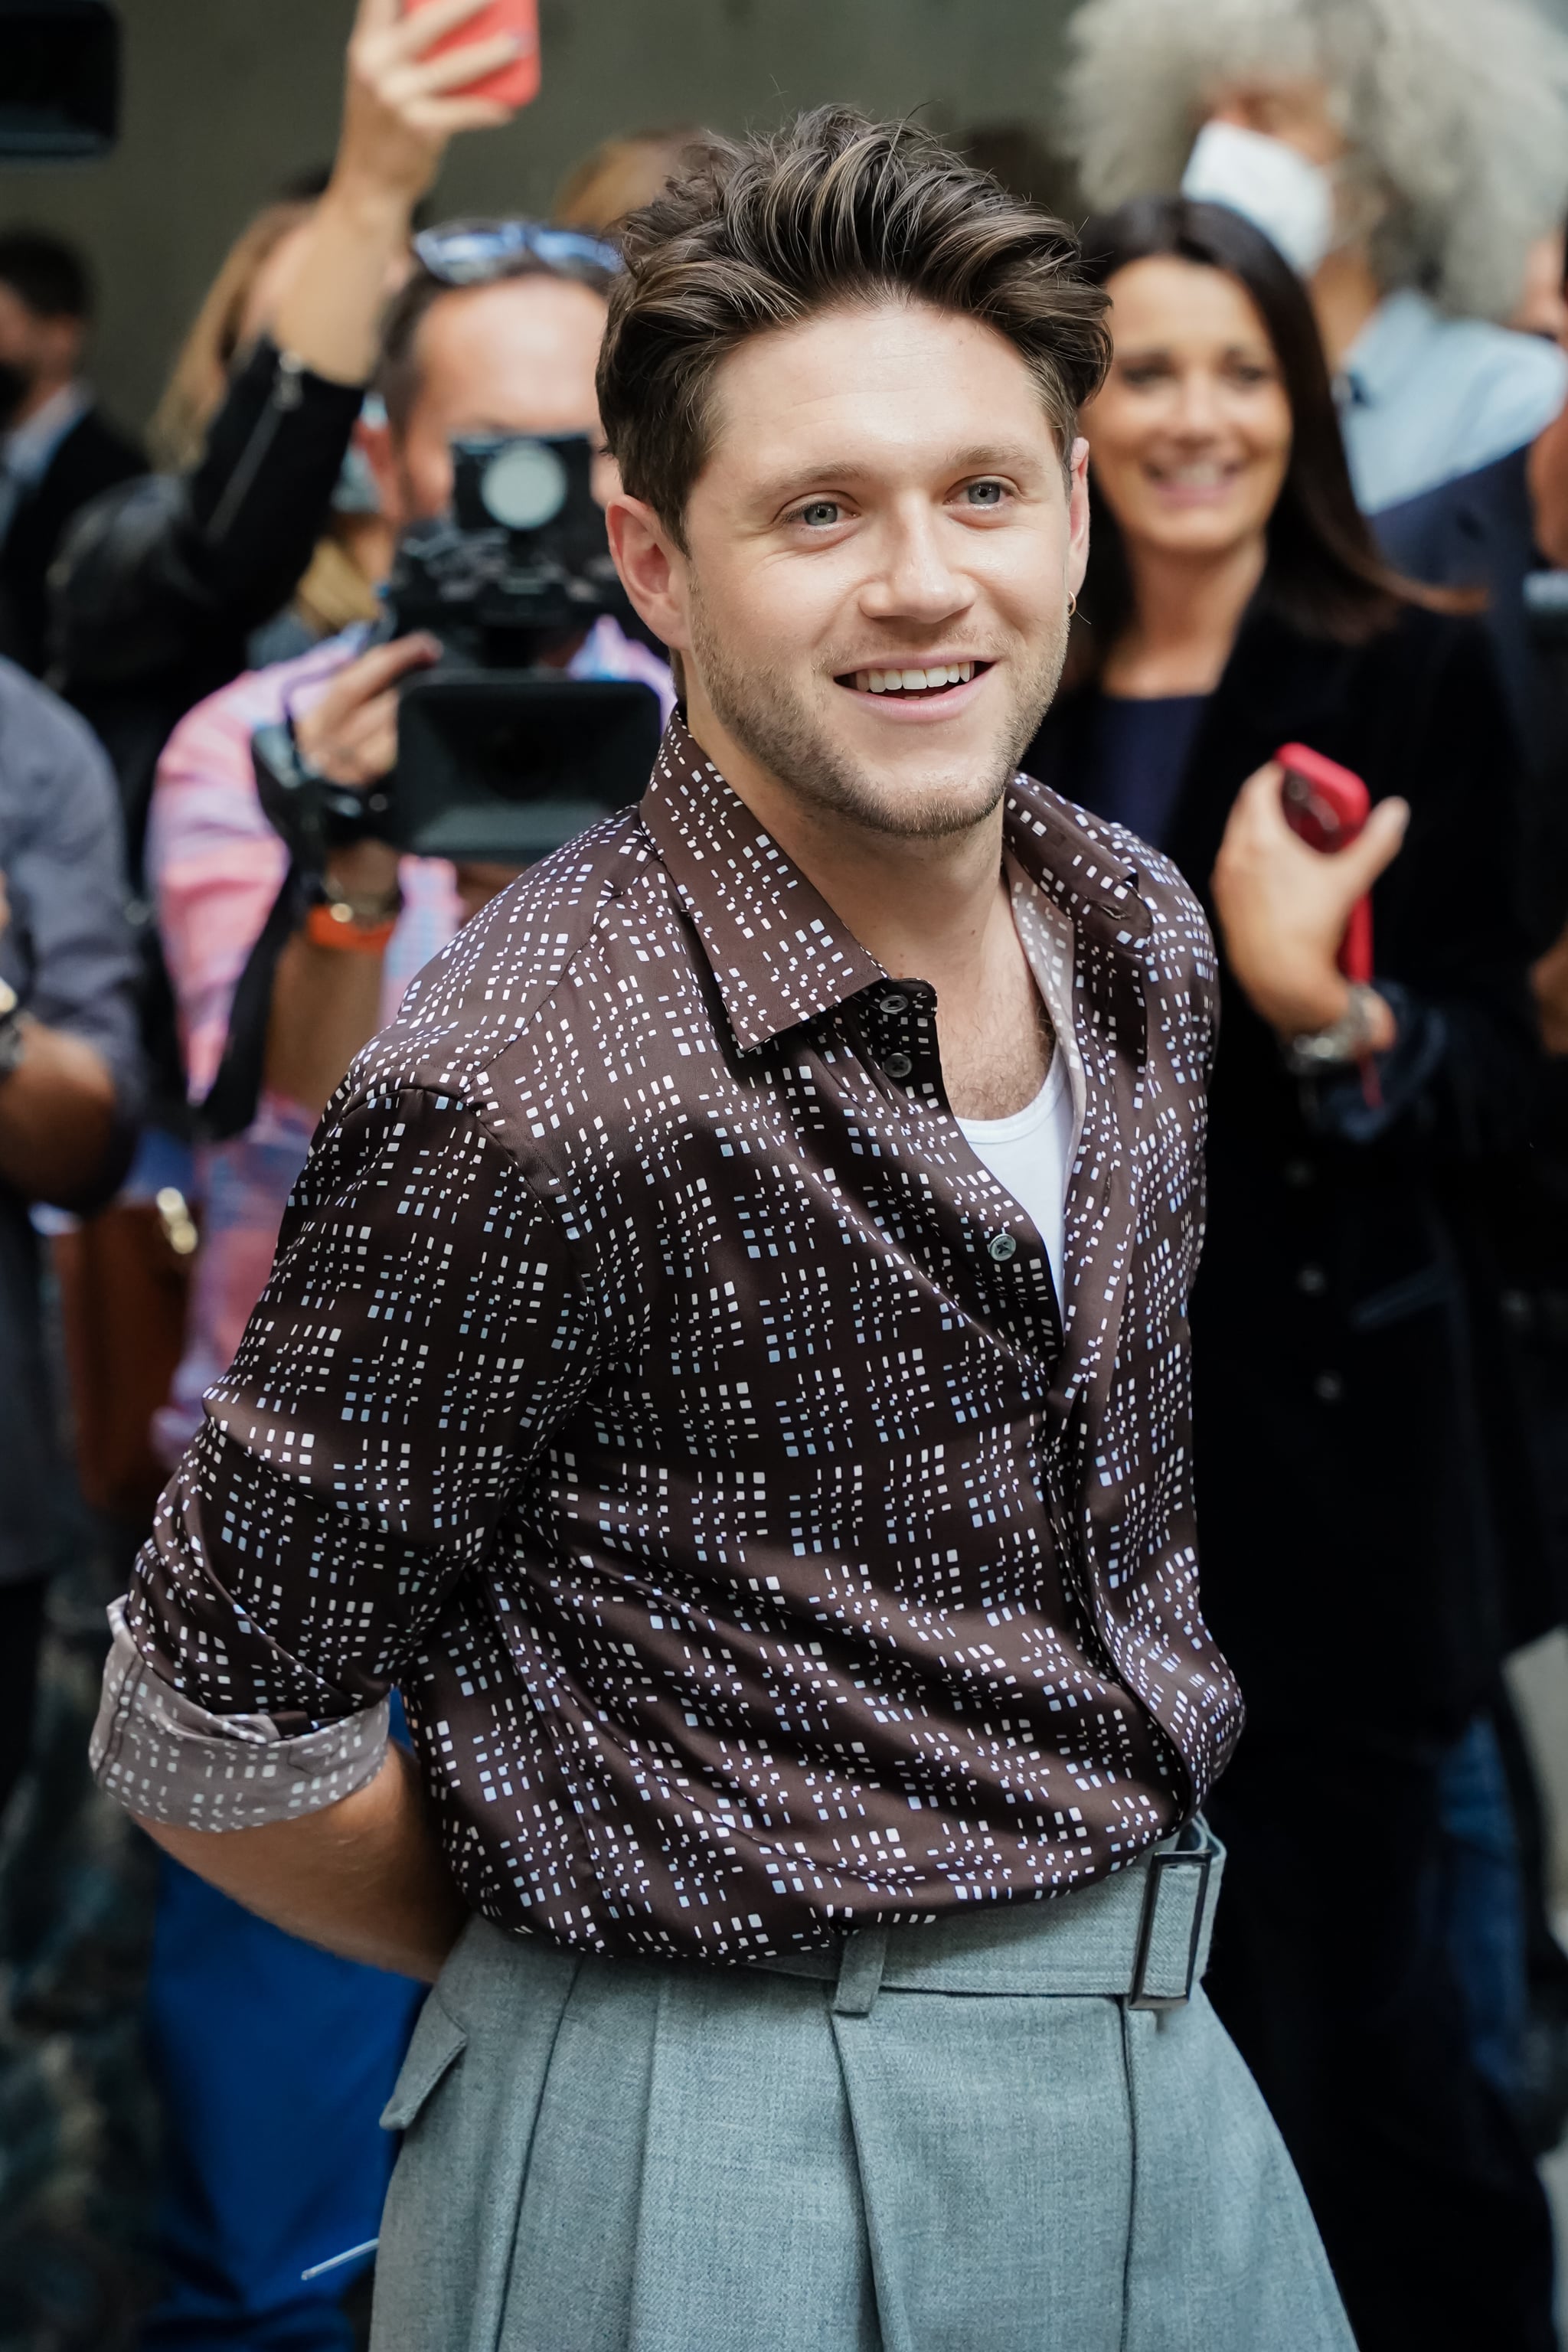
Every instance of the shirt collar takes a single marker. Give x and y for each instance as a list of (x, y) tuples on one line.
[(1394, 342), (778, 952), (26, 452)]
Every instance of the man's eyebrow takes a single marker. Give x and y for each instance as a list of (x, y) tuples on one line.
[(982, 456)]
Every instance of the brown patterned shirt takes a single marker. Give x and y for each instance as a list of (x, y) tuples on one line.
[(653, 1385)]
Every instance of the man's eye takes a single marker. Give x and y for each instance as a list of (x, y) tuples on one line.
[(986, 494), (820, 514)]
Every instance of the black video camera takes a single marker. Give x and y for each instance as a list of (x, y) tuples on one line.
[(500, 756)]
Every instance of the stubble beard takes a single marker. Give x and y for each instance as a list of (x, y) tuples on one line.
[(771, 719)]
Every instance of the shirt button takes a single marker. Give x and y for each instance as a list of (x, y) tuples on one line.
[(1002, 1246), (898, 1065), (1298, 1174), (1328, 1388), (1313, 1280), (894, 1002)]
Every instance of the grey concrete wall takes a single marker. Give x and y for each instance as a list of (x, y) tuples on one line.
[(224, 97)]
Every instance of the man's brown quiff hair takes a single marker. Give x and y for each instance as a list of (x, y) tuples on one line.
[(834, 209)]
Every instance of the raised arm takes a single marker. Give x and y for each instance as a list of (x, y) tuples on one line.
[(225, 549)]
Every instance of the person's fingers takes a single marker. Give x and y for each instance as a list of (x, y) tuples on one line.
[(1376, 845), (366, 723), (410, 32), (382, 667), (438, 118), (432, 77), (375, 17), (357, 750), (1257, 815), (1259, 807)]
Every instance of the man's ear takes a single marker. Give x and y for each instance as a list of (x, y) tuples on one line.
[(63, 340), (652, 568), (1078, 515), (372, 437)]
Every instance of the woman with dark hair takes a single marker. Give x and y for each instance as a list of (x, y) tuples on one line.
[(1235, 603)]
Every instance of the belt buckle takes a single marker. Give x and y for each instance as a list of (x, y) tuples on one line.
[(1193, 1858)]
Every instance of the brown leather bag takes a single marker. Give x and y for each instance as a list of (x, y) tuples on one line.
[(125, 1278)]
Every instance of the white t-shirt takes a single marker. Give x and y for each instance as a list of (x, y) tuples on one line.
[(1030, 1155)]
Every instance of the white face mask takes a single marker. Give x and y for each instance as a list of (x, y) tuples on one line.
[(1290, 200)]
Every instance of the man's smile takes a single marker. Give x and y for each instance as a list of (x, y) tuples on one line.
[(934, 685)]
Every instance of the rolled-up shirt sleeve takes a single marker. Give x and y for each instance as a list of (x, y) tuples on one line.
[(421, 1334)]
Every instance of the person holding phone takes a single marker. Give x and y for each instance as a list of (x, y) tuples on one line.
[(1234, 603), (274, 2060)]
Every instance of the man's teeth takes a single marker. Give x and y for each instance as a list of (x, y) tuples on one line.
[(913, 681)]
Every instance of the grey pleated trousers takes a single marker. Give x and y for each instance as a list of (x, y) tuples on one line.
[(604, 2156)]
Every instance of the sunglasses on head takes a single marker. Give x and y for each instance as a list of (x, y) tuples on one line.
[(474, 252)]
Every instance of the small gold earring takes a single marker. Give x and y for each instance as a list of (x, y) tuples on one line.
[(1072, 603)]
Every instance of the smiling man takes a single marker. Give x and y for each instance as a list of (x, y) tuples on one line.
[(726, 1362)]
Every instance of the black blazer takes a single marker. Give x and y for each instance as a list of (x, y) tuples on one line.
[(92, 457), (1478, 532), (1347, 1509)]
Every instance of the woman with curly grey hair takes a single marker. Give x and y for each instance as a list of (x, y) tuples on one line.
[(1400, 155)]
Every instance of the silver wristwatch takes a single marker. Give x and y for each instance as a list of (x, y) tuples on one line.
[(1348, 1039)]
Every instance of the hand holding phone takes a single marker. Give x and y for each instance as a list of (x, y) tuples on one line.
[(1327, 806), (513, 84)]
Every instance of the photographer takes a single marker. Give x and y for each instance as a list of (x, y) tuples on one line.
[(511, 349), (163, 583)]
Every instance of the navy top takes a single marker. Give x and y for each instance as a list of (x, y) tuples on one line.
[(67, 954), (1136, 757)]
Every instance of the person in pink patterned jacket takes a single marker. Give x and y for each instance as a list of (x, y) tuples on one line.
[(244, 2019)]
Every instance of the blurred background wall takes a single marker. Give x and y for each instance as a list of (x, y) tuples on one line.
[(226, 98)]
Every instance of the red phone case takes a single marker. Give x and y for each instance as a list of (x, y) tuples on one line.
[(513, 85), (1327, 806)]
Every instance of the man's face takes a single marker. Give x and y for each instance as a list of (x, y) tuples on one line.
[(36, 355), (881, 549), (1295, 108), (515, 357)]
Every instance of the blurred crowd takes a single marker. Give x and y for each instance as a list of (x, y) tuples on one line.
[(1329, 480)]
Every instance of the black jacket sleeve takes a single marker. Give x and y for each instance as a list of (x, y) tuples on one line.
[(166, 574), (1451, 946)]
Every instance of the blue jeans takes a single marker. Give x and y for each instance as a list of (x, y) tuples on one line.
[(275, 2061), (1483, 1904)]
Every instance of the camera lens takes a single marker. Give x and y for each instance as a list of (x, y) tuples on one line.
[(525, 484)]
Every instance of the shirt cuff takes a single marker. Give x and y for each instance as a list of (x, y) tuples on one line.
[(166, 1759)]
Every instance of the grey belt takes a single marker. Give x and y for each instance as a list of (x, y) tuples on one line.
[(1141, 1935)]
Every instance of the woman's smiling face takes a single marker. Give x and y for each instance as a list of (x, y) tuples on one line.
[(1190, 440)]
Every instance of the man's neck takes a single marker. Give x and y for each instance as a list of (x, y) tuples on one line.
[(1187, 612), (923, 908), (1345, 294), (47, 388)]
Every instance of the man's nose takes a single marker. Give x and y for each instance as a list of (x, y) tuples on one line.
[(916, 579)]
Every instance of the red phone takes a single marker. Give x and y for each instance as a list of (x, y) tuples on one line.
[(512, 85), (1327, 806)]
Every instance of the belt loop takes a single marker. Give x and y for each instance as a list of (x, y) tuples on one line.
[(860, 1969), (1170, 1933)]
